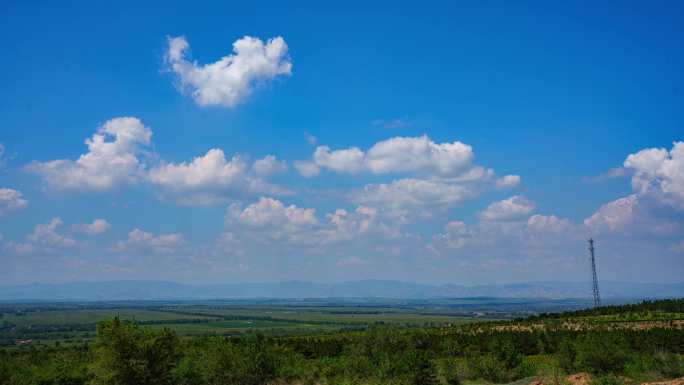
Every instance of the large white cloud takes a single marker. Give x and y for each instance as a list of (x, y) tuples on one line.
[(657, 179), (269, 165), (11, 200), (271, 212), (115, 158), (269, 219), (659, 173), (614, 215), (205, 179), (508, 181), (111, 161), (409, 194), (440, 174), (231, 79), (212, 178), (394, 155), (514, 207)]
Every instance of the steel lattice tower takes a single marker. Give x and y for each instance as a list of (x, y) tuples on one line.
[(597, 297)]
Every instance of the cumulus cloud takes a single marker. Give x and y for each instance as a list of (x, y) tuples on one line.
[(11, 200), (212, 178), (412, 193), (202, 180), (114, 160), (47, 234), (613, 215), (306, 168), (344, 225), (271, 212), (97, 227), (394, 155), (231, 79), (514, 207), (526, 238), (141, 240), (440, 174), (508, 181), (549, 224), (269, 165), (659, 173), (111, 160), (455, 236), (270, 219)]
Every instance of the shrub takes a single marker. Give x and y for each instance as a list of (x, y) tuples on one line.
[(602, 353)]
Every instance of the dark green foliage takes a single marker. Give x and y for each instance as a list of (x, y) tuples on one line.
[(128, 355), (566, 354), (601, 353)]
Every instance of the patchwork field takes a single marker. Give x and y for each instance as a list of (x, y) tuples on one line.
[(38, 323)]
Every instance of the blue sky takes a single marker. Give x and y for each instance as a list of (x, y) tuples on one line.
[(557, 96)]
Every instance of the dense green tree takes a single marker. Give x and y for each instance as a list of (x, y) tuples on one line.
[(124, 354)]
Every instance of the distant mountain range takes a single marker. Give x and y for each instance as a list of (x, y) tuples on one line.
[(154, 290)]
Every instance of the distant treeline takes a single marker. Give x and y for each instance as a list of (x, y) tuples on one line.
[(660, 306)]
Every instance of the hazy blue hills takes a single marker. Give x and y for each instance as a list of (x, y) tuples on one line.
[(154, 290)]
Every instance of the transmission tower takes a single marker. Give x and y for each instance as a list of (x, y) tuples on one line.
[(597, 297)]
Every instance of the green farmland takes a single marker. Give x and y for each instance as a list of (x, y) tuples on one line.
[(39, 324)]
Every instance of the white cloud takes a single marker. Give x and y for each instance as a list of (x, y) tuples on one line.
[(47, 234), (514, 207), (613, 215), (203, 180), (344, 226), (271, 212), (659, 173), (212, 178), (508, 181), (11, 200), (456, 235), (142, 240), (231, 79), (269, 219), (394, 155), (444, 175), (306, 168), (413, 193), (269, 165), (107, 164), (97, 227), (350, 160), (549, 224)]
